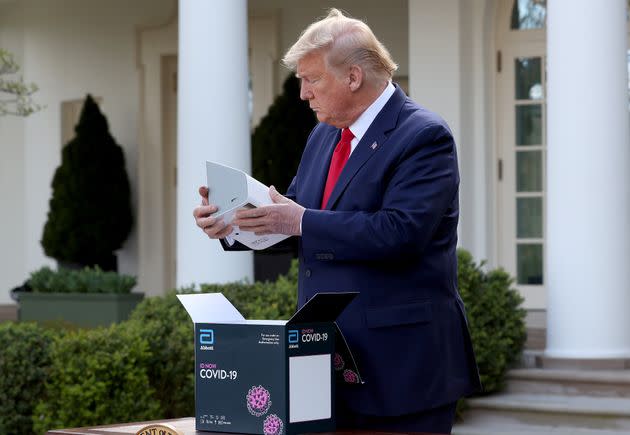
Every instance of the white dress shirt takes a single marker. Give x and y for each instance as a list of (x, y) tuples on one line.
[(361, 125)]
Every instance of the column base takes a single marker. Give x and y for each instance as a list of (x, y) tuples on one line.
[(546, 362)]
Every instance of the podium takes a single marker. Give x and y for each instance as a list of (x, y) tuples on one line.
[(186, 426)]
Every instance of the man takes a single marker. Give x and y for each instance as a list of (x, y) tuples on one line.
[(383, 222)]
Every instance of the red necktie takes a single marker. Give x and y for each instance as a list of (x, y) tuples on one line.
[(338, 161)]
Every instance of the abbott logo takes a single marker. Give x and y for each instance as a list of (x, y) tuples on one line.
[(294, 337), (206, 336)]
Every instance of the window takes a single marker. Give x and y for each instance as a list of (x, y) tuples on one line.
[(528, 14)]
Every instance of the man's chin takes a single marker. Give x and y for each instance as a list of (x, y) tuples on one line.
[(320, 117)]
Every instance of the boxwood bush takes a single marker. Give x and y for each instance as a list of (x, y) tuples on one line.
[(24, 367), (96, 377), (86, 280), (495, 318), (262, 300), (167, 328)]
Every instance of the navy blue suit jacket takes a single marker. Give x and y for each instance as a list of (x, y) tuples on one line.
[(389, 231)]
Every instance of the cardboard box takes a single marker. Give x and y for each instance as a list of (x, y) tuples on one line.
[(264, 376)]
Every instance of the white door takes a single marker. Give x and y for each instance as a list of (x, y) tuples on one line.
[(521, 147)]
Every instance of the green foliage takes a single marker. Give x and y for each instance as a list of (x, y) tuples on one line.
[(97, 376), (15, 95), (87, 280), (24, 365), (262, 300), (495, 317), (279, 140), (90, 209), (165, 325), (143, 369)]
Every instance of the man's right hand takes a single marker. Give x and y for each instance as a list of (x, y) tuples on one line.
[(213, 227)]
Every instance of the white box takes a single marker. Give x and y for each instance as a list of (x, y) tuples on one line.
[(231, 189)]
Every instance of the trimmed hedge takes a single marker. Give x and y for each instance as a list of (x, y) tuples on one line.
[(25, 363), (97, 377), (262, 300), (86, 280), (143, 369), (164, 324)]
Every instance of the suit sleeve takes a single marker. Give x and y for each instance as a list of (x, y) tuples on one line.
[(417, 197)]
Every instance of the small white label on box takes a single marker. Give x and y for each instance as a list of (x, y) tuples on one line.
[(310, 396)]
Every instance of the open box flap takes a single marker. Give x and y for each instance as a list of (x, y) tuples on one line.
[(326, 307), (210, 308), (323, 307)]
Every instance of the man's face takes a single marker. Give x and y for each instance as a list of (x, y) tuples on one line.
[(327, 92)]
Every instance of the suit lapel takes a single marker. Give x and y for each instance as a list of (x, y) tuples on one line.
[(373, 139), (320, 169)]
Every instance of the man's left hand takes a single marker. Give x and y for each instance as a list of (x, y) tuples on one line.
[(282, 217)]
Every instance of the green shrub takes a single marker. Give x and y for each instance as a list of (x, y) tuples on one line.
[(165, 325), (24, 366), (495, 317), (90, 209), (260, 300), (87, 280), (97, 376)]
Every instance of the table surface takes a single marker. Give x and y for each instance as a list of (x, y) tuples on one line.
[(185, 425)]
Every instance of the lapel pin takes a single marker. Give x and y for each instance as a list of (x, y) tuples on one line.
[(374, 145)]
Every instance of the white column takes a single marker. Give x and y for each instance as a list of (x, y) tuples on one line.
[(588, 172), (213, 124), (434, 68)]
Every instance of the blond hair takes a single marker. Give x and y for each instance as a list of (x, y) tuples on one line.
[(345, 42)]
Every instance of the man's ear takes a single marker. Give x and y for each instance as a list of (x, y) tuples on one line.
[(355, 78)]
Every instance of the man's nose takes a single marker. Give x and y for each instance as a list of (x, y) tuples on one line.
[(305, 93)]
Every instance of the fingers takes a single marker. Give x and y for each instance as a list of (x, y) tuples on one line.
[(204, 191), (215, 228), (205, 222), (219, 231), (251, 213), (204, 211), (225, 232)]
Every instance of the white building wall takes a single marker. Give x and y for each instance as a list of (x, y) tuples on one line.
[(449, 70), (70, 48), (12, 188)]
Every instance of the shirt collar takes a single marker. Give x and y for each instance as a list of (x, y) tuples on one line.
[(361, 125)]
